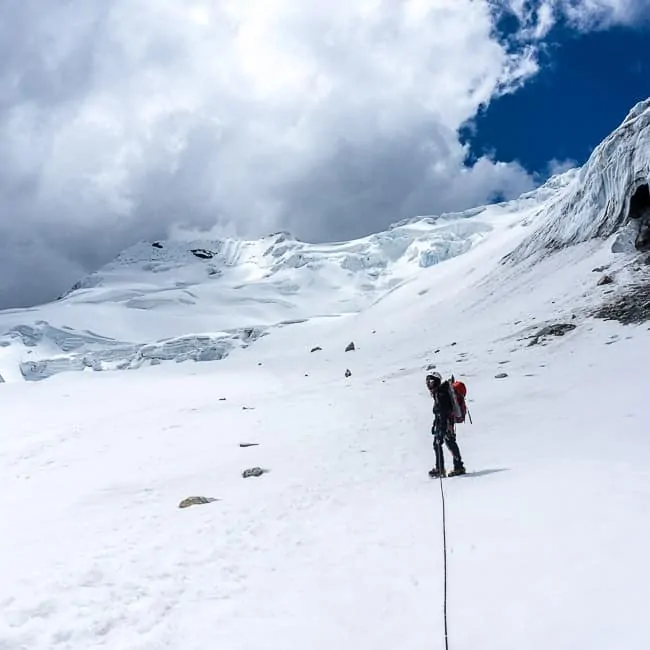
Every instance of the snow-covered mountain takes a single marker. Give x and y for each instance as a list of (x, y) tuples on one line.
[(200, 300), (179, 300), (338, 541)]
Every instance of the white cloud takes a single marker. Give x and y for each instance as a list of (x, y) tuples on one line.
[(121, 120), (601, 14), (556, 167), (537, 17)]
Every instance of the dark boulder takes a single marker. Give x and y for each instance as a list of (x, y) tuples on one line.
[(202, 253), (193, 501), (253, 471)]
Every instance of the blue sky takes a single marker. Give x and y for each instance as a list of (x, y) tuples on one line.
[(587, 84)]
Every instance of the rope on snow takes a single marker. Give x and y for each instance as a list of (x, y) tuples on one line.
[(444, 552)]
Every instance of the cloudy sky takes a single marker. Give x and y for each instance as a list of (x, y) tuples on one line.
[(120, 119)]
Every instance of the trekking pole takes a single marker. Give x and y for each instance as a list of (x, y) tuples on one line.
[(470, 416)]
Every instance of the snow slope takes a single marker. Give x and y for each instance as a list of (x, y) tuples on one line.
[(339, 543)]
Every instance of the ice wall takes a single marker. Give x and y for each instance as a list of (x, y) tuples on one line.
[(596, 202)]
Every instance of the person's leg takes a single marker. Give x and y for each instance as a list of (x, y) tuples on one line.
[(438, 442), (440, 456), (452, 445)]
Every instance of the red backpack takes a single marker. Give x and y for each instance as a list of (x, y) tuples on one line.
[(458, 397)]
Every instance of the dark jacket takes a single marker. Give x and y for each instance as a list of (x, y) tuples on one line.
[(443, 407)]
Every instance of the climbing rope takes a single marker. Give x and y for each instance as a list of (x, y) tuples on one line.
[(444, 553)]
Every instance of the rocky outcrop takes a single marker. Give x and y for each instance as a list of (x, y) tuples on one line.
[(557, 329), (630, 307)]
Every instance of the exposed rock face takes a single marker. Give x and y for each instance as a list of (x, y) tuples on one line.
[(628, 308), (350, 346), (557, 329)]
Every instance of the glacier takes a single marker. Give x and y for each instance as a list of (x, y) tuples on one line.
[(199, 300), (597, 200), (178, 300)]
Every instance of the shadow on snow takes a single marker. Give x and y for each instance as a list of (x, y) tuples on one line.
[(483, 472)]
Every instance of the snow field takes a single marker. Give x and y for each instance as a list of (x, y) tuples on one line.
[(340, 541)]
